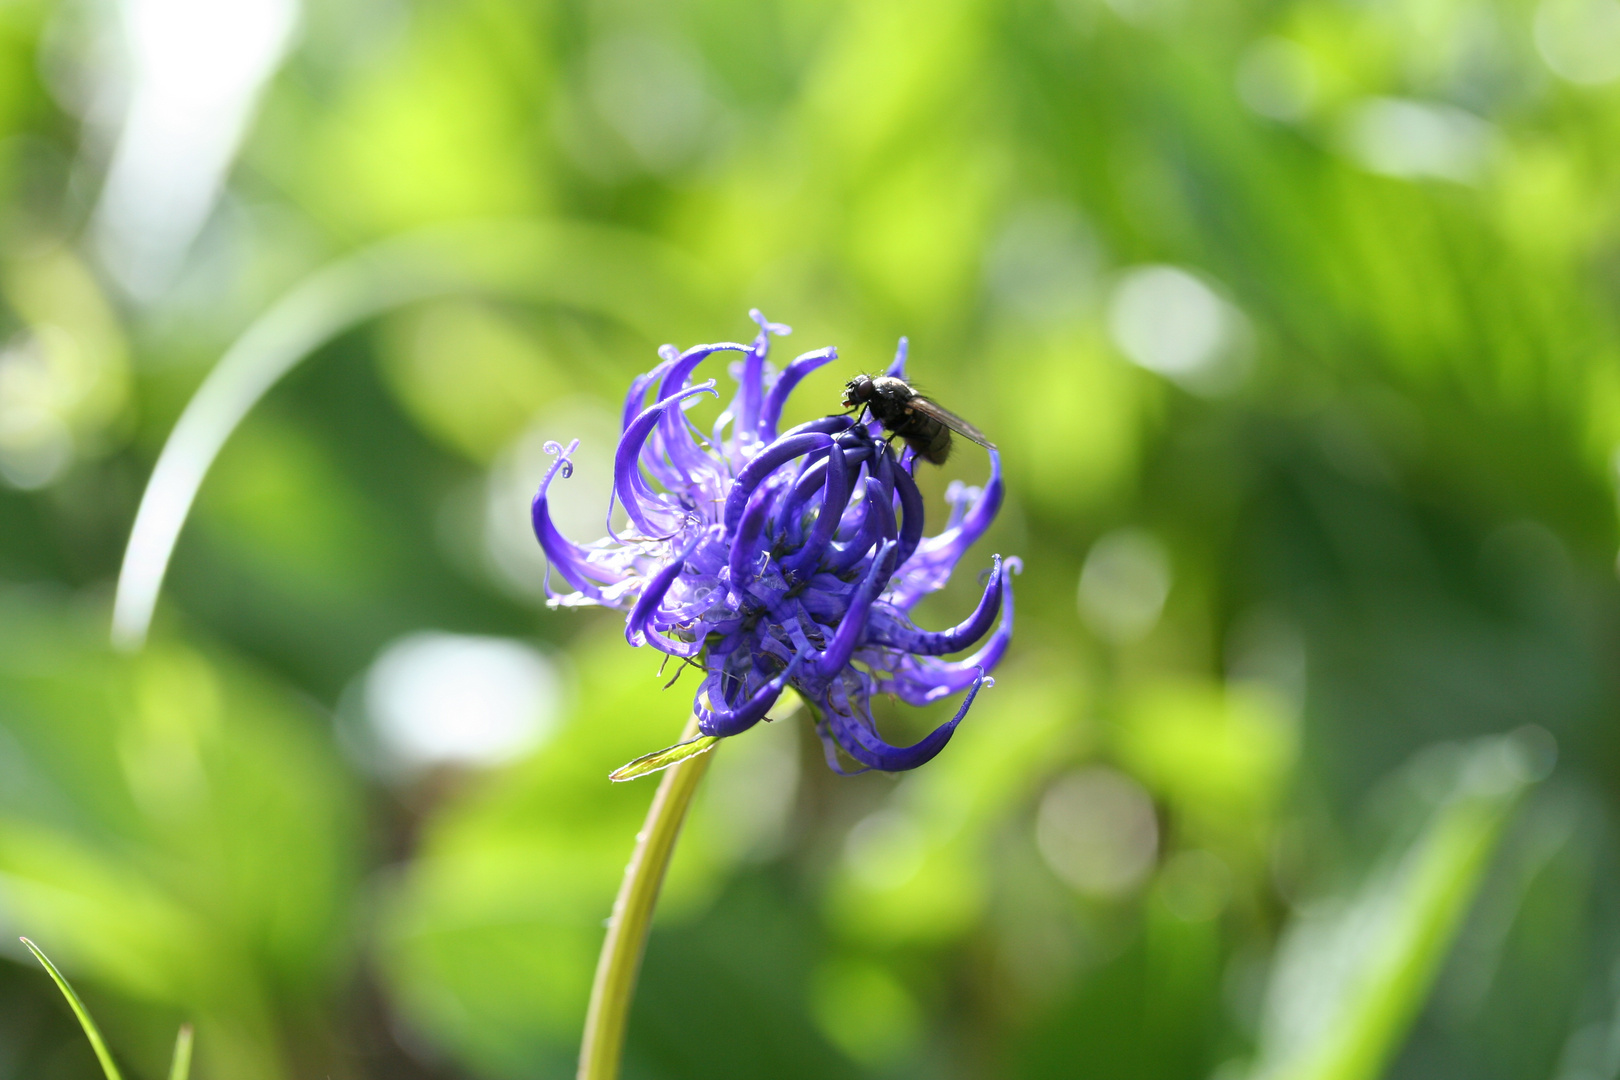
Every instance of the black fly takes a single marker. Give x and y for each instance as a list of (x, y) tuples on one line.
[(925, 425)]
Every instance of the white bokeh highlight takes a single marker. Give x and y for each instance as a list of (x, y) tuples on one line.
[(1098, 831), (1580, 39), (457, 699), (1171, 322), (36, 443), (1124, 584), (885, 850), (1418, 140)]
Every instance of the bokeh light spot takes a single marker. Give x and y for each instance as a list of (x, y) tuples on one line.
[(1043, 265), (1170, 322), (652, 94), (1098, 831), (1124, 584), (1276, 79), (436, 698), (864, 1011), (1580, 39), (1418, 140)]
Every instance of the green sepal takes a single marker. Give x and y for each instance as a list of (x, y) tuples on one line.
[(659, 760)]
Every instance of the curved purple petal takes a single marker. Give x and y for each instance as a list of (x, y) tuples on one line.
[(899, 635), (897, 368), (751, 385), (771, 414), (568, 558), (871, 751), (853, 624), (746, 548), (829, 748), (680, 371), (635, 400), (877, 524), (675, 437), (639, 623), (936, 556), (991, 652), (722, 723), (921, 680), (791, 507), (767, 461), (830, 425), (911, 514), (628, 483), (834, 499)]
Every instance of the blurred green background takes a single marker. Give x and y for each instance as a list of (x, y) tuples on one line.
[(1295, 321)]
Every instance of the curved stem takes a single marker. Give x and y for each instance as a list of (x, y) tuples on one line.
[(325, 304), (620, 963), (553, 262)]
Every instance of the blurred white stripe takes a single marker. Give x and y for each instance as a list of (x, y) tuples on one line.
[(196, 67)]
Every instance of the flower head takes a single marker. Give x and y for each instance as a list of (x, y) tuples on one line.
[(772, 560)]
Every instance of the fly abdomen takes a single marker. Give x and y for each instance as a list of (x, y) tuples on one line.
[(927, 436)]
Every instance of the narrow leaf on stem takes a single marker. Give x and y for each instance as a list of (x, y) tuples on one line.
[(659, 760)]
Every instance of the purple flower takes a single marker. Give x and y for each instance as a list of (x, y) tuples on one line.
[(772, 559)]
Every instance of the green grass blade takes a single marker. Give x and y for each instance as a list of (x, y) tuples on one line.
[(91, 1032), (180, 1067), (659, 760), (1351, 979)]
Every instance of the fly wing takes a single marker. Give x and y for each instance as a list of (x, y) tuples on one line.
[(939, 412)]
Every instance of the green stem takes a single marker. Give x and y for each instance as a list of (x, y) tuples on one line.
[(616, 969)]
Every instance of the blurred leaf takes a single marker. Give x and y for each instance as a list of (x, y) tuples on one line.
[(78, 338), (287, 514), (176, 826), (20, 26), (550, 262), (180, 1065), (1071, 415), (1352, 972)]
